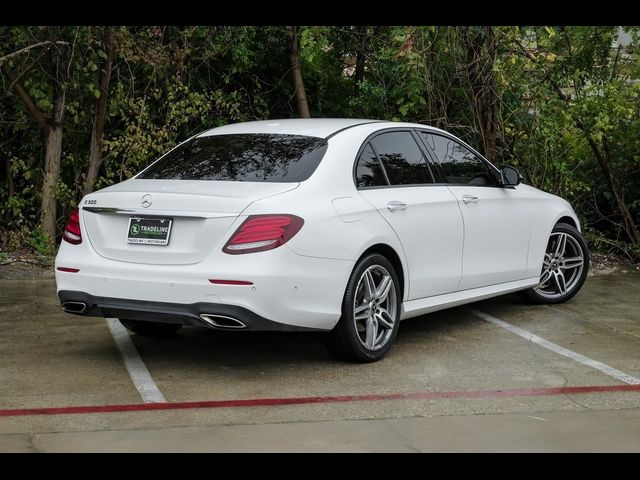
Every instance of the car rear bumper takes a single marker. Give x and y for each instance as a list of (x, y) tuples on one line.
[(213, 315), (282, 286)]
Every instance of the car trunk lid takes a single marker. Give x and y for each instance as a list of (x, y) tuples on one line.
[(201, 213)]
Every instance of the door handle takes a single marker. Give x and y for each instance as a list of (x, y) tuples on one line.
[(469, 199), (395, 205)]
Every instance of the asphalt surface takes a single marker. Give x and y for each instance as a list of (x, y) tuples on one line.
[(452, 382)]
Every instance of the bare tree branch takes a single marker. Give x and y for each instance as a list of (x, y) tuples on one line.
[(26, 70), (30, 47)]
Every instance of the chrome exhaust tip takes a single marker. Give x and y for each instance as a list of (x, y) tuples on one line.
[(222, 321), (74, 307)]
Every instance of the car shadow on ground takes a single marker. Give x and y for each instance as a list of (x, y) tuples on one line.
[(201, 347)]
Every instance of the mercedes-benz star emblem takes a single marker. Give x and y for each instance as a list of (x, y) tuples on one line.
[(146, 201)]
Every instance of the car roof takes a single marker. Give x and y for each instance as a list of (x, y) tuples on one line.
[(313, 127)]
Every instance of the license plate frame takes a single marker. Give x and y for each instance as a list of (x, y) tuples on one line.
[(157, 233)]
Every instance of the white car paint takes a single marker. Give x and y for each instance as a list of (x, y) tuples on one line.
[(434, 260), (496, 235), (451, 252)]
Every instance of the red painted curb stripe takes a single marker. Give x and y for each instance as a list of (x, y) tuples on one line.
[(263, 402)]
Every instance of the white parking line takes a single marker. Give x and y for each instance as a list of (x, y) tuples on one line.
[(589, 362), (138, 371)]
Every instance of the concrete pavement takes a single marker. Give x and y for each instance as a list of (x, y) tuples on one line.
[(51, 359)]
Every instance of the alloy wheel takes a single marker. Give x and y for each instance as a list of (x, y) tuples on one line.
[(562, 266), (375, 307)]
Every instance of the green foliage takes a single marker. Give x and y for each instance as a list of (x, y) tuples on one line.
[(40, 242), (564, 96)]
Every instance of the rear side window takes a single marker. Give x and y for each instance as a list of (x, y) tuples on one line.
[(368, 171), (263, 157), (402, 159), (460, 165)]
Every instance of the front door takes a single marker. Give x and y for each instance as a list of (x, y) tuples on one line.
[(496, 233)]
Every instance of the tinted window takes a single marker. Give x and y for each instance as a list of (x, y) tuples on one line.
[(242, 158), (368, 171), (402, 158), (459, 164)]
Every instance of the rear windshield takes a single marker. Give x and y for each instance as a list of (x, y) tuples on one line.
[(260, 157)]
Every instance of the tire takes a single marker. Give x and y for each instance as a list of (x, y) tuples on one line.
[(150, 329), (555, 263), (377, 325)]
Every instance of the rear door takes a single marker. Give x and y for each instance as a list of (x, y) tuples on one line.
[(394, 175), (496, 233)]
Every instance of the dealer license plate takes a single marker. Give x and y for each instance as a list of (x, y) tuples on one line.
[(149, 231)]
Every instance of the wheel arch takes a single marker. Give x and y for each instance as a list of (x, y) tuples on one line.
[(540, 235), (569, 221), (390, 254), (565, 214)]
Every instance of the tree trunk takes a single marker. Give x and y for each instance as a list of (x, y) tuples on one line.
[(359, 70), (10, 186), (97, 132), (51, 174), (493, 102), (359, 73), (298, 83), (481, 57), (95, 160), (53, 151)]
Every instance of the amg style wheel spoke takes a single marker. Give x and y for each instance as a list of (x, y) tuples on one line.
[(561, 246), (571, 262), (545, 277), (383, 289), (371, 332), (370, 286), (363, 315), (560, 282), (361, 308), (384, 319)]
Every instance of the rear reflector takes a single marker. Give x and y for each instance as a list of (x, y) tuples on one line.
[(72, 233), (68, 269), (230, 282), (263, 232)]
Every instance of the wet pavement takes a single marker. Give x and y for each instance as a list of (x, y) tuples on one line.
[(52, 359)]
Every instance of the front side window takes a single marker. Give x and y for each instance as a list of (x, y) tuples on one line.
[(459, 164), (255, 157), (402, 159)]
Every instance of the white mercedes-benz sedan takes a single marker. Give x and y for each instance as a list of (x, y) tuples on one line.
[(340, 226)]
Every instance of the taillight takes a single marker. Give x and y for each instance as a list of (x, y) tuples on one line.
[(263, 232), (72, 233)]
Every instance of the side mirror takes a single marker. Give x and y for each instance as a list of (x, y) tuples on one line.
[(510, 176)]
